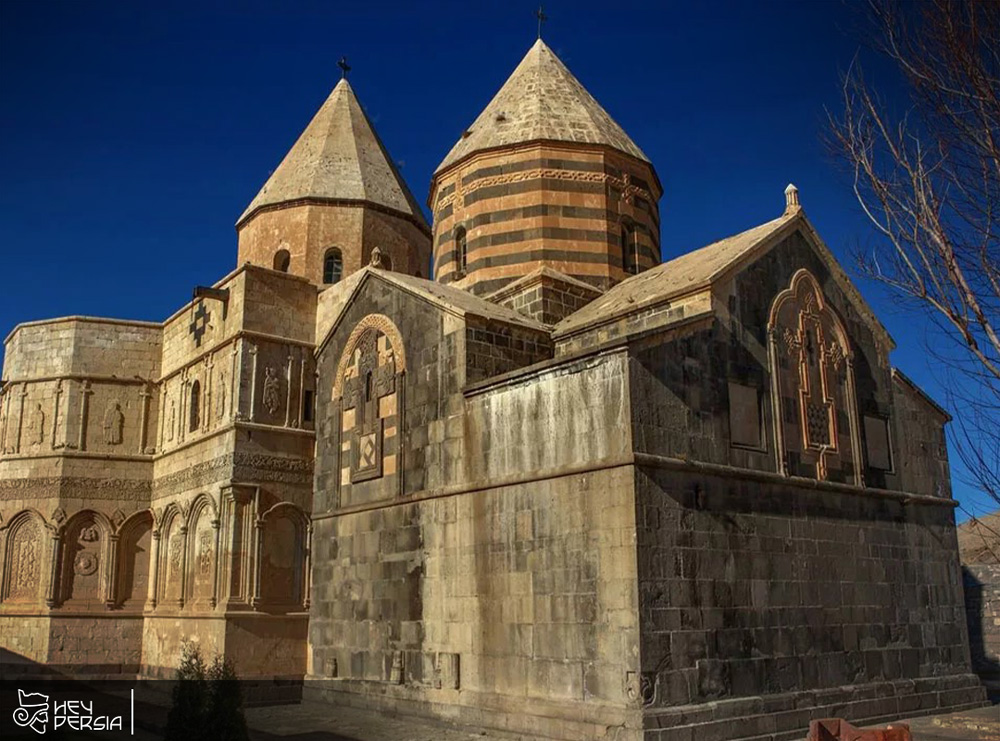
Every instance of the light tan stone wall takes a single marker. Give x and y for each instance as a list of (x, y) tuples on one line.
[(307, 231)]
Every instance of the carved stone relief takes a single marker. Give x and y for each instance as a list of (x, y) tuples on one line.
[(272, 390), (371, 377), (24, 553), (36, 428), (81, 560), (812, 385), (114, 423)]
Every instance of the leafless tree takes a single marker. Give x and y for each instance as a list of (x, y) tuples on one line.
[(926, 172)]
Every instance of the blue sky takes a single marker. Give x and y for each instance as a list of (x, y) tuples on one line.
[(133, 135)]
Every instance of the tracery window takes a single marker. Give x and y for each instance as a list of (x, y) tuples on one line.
[(812, 384)]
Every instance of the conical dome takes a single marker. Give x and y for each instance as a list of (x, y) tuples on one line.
[(338, 157), (334, 198), (541, 100)]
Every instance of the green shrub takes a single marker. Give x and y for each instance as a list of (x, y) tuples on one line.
[(207, 702)]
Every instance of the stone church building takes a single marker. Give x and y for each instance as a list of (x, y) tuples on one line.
[(507, 469)]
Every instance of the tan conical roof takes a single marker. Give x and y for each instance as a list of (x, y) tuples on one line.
[(541, 100), (340, 157)]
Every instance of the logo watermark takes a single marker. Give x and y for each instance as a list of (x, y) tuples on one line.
[(39, 712)]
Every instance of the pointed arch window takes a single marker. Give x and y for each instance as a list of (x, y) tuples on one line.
[(195, 415), (461, 252), (333, 266), (282, 260), (630, 262)]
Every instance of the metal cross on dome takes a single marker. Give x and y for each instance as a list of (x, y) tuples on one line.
[(540, 15), (344, 68), (199, 323)]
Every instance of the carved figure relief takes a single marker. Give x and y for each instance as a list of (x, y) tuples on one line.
[(272, 387), (812, 385), (89, 534), (36, 429), (114, 423), (25, 561)]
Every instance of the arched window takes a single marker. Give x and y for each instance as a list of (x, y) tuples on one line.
[(461, 252), (195, 417), (333, 266), (629, 262), (282, 260)]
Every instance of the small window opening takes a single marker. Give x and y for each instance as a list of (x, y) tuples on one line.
[(195, 416), (333, 266), (368, 386), (282, 260), (461, 252), (307, 405), (630, 263)]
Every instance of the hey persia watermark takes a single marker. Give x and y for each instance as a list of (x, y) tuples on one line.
[(37, 710)]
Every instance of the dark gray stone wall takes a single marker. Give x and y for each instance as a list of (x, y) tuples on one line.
[(751, 589), (684, 380), (921, 455), (982, 604)]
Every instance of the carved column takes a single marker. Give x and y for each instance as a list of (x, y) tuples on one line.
[(207, 412), (154, 570), (144, 396), (302, 388), (84, 415), (288, 395), (52, 588), (258, 545), (234, 382), (183, 405), (307, 576), (218, 559), (183, 532), (253, 380), (55, 415), (111, 572), (239, 507), (20, 417), (163, 414)]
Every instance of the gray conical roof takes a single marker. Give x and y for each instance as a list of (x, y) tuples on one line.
[(338, 156), (541, 100)]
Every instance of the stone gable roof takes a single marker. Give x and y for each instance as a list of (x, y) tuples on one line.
[(681, 275), (335, 300), (541, 100), (699, 269), (338, 157)]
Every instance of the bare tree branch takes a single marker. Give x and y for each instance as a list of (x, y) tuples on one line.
[(928, 180)]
